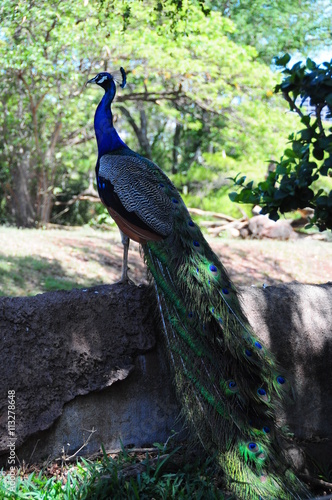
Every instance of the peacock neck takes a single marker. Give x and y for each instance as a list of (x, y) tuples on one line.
[(107, 137)]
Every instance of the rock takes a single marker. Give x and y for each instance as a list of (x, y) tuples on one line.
[(60, 345), (233, 232), (261, 226), (90, 362), (295, 323)]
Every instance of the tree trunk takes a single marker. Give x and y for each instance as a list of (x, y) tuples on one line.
[(22, 201), (49, 172), (140, 132), (23, 208), (144, 141), (176, 144)]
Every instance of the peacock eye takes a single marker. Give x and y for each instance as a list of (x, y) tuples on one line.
[(101, 79), (232, 386), (253, 447)]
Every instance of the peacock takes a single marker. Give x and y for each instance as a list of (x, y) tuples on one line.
[(229, 385)]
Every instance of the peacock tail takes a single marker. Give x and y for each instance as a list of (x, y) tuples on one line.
[(229, 385)]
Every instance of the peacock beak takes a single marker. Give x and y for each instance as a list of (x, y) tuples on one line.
[(93, 80)]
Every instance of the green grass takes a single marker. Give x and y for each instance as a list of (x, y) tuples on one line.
[(124, 477), (32, 274), (36, 261)]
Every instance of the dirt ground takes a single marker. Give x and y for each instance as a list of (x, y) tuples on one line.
[(34, 261)]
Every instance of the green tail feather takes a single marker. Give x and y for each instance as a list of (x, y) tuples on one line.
[(229, 384)]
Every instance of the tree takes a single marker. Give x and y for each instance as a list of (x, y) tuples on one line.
[(43, 62), (274, 28), (271, 27), (189, 99), (47, 51), (302, 177)]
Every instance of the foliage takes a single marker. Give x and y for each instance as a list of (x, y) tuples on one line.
[(293, 182), (191, 79), (308, 21), (279, 26), (106, 478), (42, 80)]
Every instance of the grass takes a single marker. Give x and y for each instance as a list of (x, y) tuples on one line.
[(126, 476), (31, 275), (35, 261)]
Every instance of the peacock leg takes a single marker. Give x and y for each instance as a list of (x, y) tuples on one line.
[(125, 242)]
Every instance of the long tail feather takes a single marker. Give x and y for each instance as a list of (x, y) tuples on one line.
[(228, 382)]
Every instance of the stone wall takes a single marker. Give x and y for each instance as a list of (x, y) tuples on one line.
[(91, 363)]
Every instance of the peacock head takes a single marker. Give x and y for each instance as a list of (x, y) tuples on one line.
[(106, 80)]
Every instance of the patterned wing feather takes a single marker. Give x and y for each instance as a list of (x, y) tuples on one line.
[(136, 182)]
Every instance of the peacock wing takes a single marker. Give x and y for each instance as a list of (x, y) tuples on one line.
[(137, 183)]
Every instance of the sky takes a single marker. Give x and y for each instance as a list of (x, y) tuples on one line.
[(320, 57)]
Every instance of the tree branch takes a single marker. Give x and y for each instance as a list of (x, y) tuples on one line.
[(33, 111), (151, 96), (141, 132), (293, 105), (319, 108)]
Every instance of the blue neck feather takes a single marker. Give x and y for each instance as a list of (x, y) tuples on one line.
[(107, 137)]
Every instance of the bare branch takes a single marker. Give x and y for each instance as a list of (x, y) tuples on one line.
[(151, 96), (48, 32), (130, 119), (319, 108), (75, 142), (293, 105)]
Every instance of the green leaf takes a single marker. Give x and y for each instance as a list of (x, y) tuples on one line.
[(281, 169), (240, 181), (307, 134), (328, 99), (305, 120), (322, 201), (324, 169), (280, 195), (311, 64), (318, 153), (283, 61), (290, 153), (263, 186), (233, 196)]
